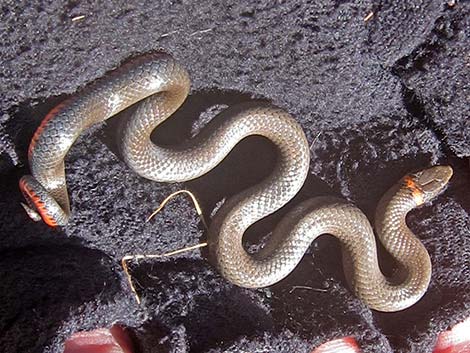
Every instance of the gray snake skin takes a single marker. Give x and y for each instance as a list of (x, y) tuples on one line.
[(160, 85)]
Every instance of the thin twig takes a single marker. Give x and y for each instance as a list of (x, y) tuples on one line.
[(315, 140), (78, 18), (168, 34), (170, 253), (369, 16), (309, 288), (128, 276), (194, 200), (201, 31), (127, 258)]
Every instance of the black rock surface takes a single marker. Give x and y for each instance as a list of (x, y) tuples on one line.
[(377, 98)]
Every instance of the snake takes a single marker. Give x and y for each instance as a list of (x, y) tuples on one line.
[(158, 85)]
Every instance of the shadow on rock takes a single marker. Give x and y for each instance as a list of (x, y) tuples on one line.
[(191, 296), (42, 285), (198, 109)]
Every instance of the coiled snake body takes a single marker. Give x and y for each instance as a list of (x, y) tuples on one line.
[(160, 86)]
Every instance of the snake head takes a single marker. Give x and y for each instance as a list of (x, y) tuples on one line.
[(35, 216), (429, 183), (41, 204)]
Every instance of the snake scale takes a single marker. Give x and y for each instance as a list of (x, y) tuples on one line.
[(161, 85)]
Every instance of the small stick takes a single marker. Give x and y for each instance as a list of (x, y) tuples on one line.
[(309, 288), (369, 16), (167, 34), (201, 31), (78, 18), (129, 277), (315, 140), (127, 258), (193, 198)]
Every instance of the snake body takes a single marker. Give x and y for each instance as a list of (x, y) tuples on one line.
[(160, 85)]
